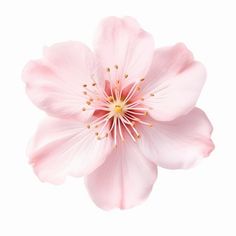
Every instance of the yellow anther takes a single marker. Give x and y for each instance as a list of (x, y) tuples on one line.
[(88, 102), (94, 84), (88, 126), (116, 66), (90, 99), (138, 88), (118, 109), (96, 133), (85, 85), (150, 125), (152, 94), (108, 69), (85, 93), (142, 79), (142, 99), (145, 113), (110, 99), (138, 136), (98, 138), (83, 109), (126, 75)]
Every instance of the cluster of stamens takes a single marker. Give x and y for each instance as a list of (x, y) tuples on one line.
[(116, 109)]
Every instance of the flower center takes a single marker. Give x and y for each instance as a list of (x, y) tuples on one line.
[(118, 108)]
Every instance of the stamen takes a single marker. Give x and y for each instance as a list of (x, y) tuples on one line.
[(94, 92), (122, 120), (115, 129), (139, 108), (94, 107), (131, 92), (111, 90), (137, 113), (138, 120), (112, 126), (133, 104), (138, 88), (110, 99), (99, 122), (102, 91), (120, 131), (128, 122), (95, 122), (103, 127)]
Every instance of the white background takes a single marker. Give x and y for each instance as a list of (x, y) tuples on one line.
[(199, 201)]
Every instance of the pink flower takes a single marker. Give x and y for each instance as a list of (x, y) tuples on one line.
[(117, 113)]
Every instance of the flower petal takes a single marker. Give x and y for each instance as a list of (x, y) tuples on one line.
[(124, 180), (174, 83), (62, 148), (123, 43), (179, 143), (55, 83)]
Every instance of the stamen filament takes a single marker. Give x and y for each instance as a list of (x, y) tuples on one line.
[(139, 108), (132, 126), (138, 120), (122, 120), (115, 118), (98, 119), (137, 113), (103, 127), (120, 131), (132, 90)]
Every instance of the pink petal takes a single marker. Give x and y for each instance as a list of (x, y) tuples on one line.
[(179, 143), (62, 148), (124, 180), (123, 43), (55, 83), (174, 83)]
